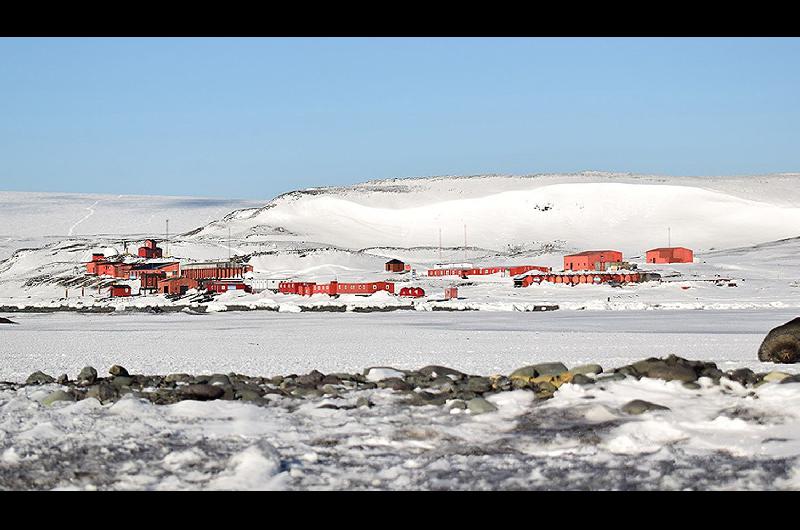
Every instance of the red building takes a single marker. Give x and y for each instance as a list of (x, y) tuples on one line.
[(480, 271), (150, 249), (221, 286), (450, 293), (167, 270), (591, 260), (177, 285), (394, 265), (120, 290), (217, 270), (670, 255), (412, 292), (334, 288)]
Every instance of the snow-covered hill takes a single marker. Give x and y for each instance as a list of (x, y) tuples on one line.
[(29, 220), (588, 210)]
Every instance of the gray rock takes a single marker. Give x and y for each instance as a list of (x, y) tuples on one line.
[(117, 370), (102, 392), (479, 405), (692, 386), (39, 378), (660, 369), (791, 379), (478, 385), (88, 376), (580, 379), (639, 406), (122, 381), (782, 344), (311, 379), (248, 395), (58, 395), (200, 392), (433, 371), (616, 376), (178, 378), (307, 393), (586, 369), (457, 404), (743, 376), (62, 379), (395, 383), (535, 370), (219, 379), (364, 402)]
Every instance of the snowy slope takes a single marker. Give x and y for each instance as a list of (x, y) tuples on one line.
[(30, 220), (590, 210)]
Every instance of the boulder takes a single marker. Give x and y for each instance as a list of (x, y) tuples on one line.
[(776, 377), (638, 406), (480, 406), (39, 378), (586, 369), (434, 371), (58, 395), (117, 370), (536, 370), (782, 344), (201, 392), (87, 376), (102, 392)]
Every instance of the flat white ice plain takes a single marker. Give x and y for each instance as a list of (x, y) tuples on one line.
[(269, 343), (715, 437)]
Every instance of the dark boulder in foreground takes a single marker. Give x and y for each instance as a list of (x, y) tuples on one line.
[(4, 320), (782, 344)]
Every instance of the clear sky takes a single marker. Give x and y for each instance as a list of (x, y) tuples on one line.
[(252, 118)]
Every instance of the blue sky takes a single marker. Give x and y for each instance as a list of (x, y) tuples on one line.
[(252, 118)]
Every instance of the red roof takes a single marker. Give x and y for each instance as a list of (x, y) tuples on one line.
[(591, 252), (668, 248)]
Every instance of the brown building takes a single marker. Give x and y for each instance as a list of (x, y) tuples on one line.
[(395, 265)]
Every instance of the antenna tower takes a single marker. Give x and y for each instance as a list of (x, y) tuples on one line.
[(167, 238)]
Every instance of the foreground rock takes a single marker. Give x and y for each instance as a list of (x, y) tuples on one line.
[(640, 406), (437, 386), (782, 344), (4, 320)]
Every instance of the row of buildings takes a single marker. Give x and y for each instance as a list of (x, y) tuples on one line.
[(169, 277)]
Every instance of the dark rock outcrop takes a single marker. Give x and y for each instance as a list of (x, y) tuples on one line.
[(782, 344)]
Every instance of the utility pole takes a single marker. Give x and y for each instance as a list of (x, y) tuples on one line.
[(440, 244), (669, 237), (465, 243), (167, 238), (229, 243)]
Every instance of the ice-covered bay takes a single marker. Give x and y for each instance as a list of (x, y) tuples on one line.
[(713, 437), (269, 343)]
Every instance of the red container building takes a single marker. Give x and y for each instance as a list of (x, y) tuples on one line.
[(670, 255), (450, 293), (120, 290), (150, 249), (177, 285), (217, 270), (412, 292), (591, 260), (221, 286)]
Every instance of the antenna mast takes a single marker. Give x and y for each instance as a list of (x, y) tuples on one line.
[(229, 243), (669, 238), (465, 243), (440, 244), (167, 238)]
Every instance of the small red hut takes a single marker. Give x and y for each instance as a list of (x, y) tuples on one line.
[(394, 265), (176, 285), (450, 293), (591, 260), (412, 292), (670, 255), (120, 290)]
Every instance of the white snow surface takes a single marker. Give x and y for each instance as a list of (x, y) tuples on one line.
[(588, 210)]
